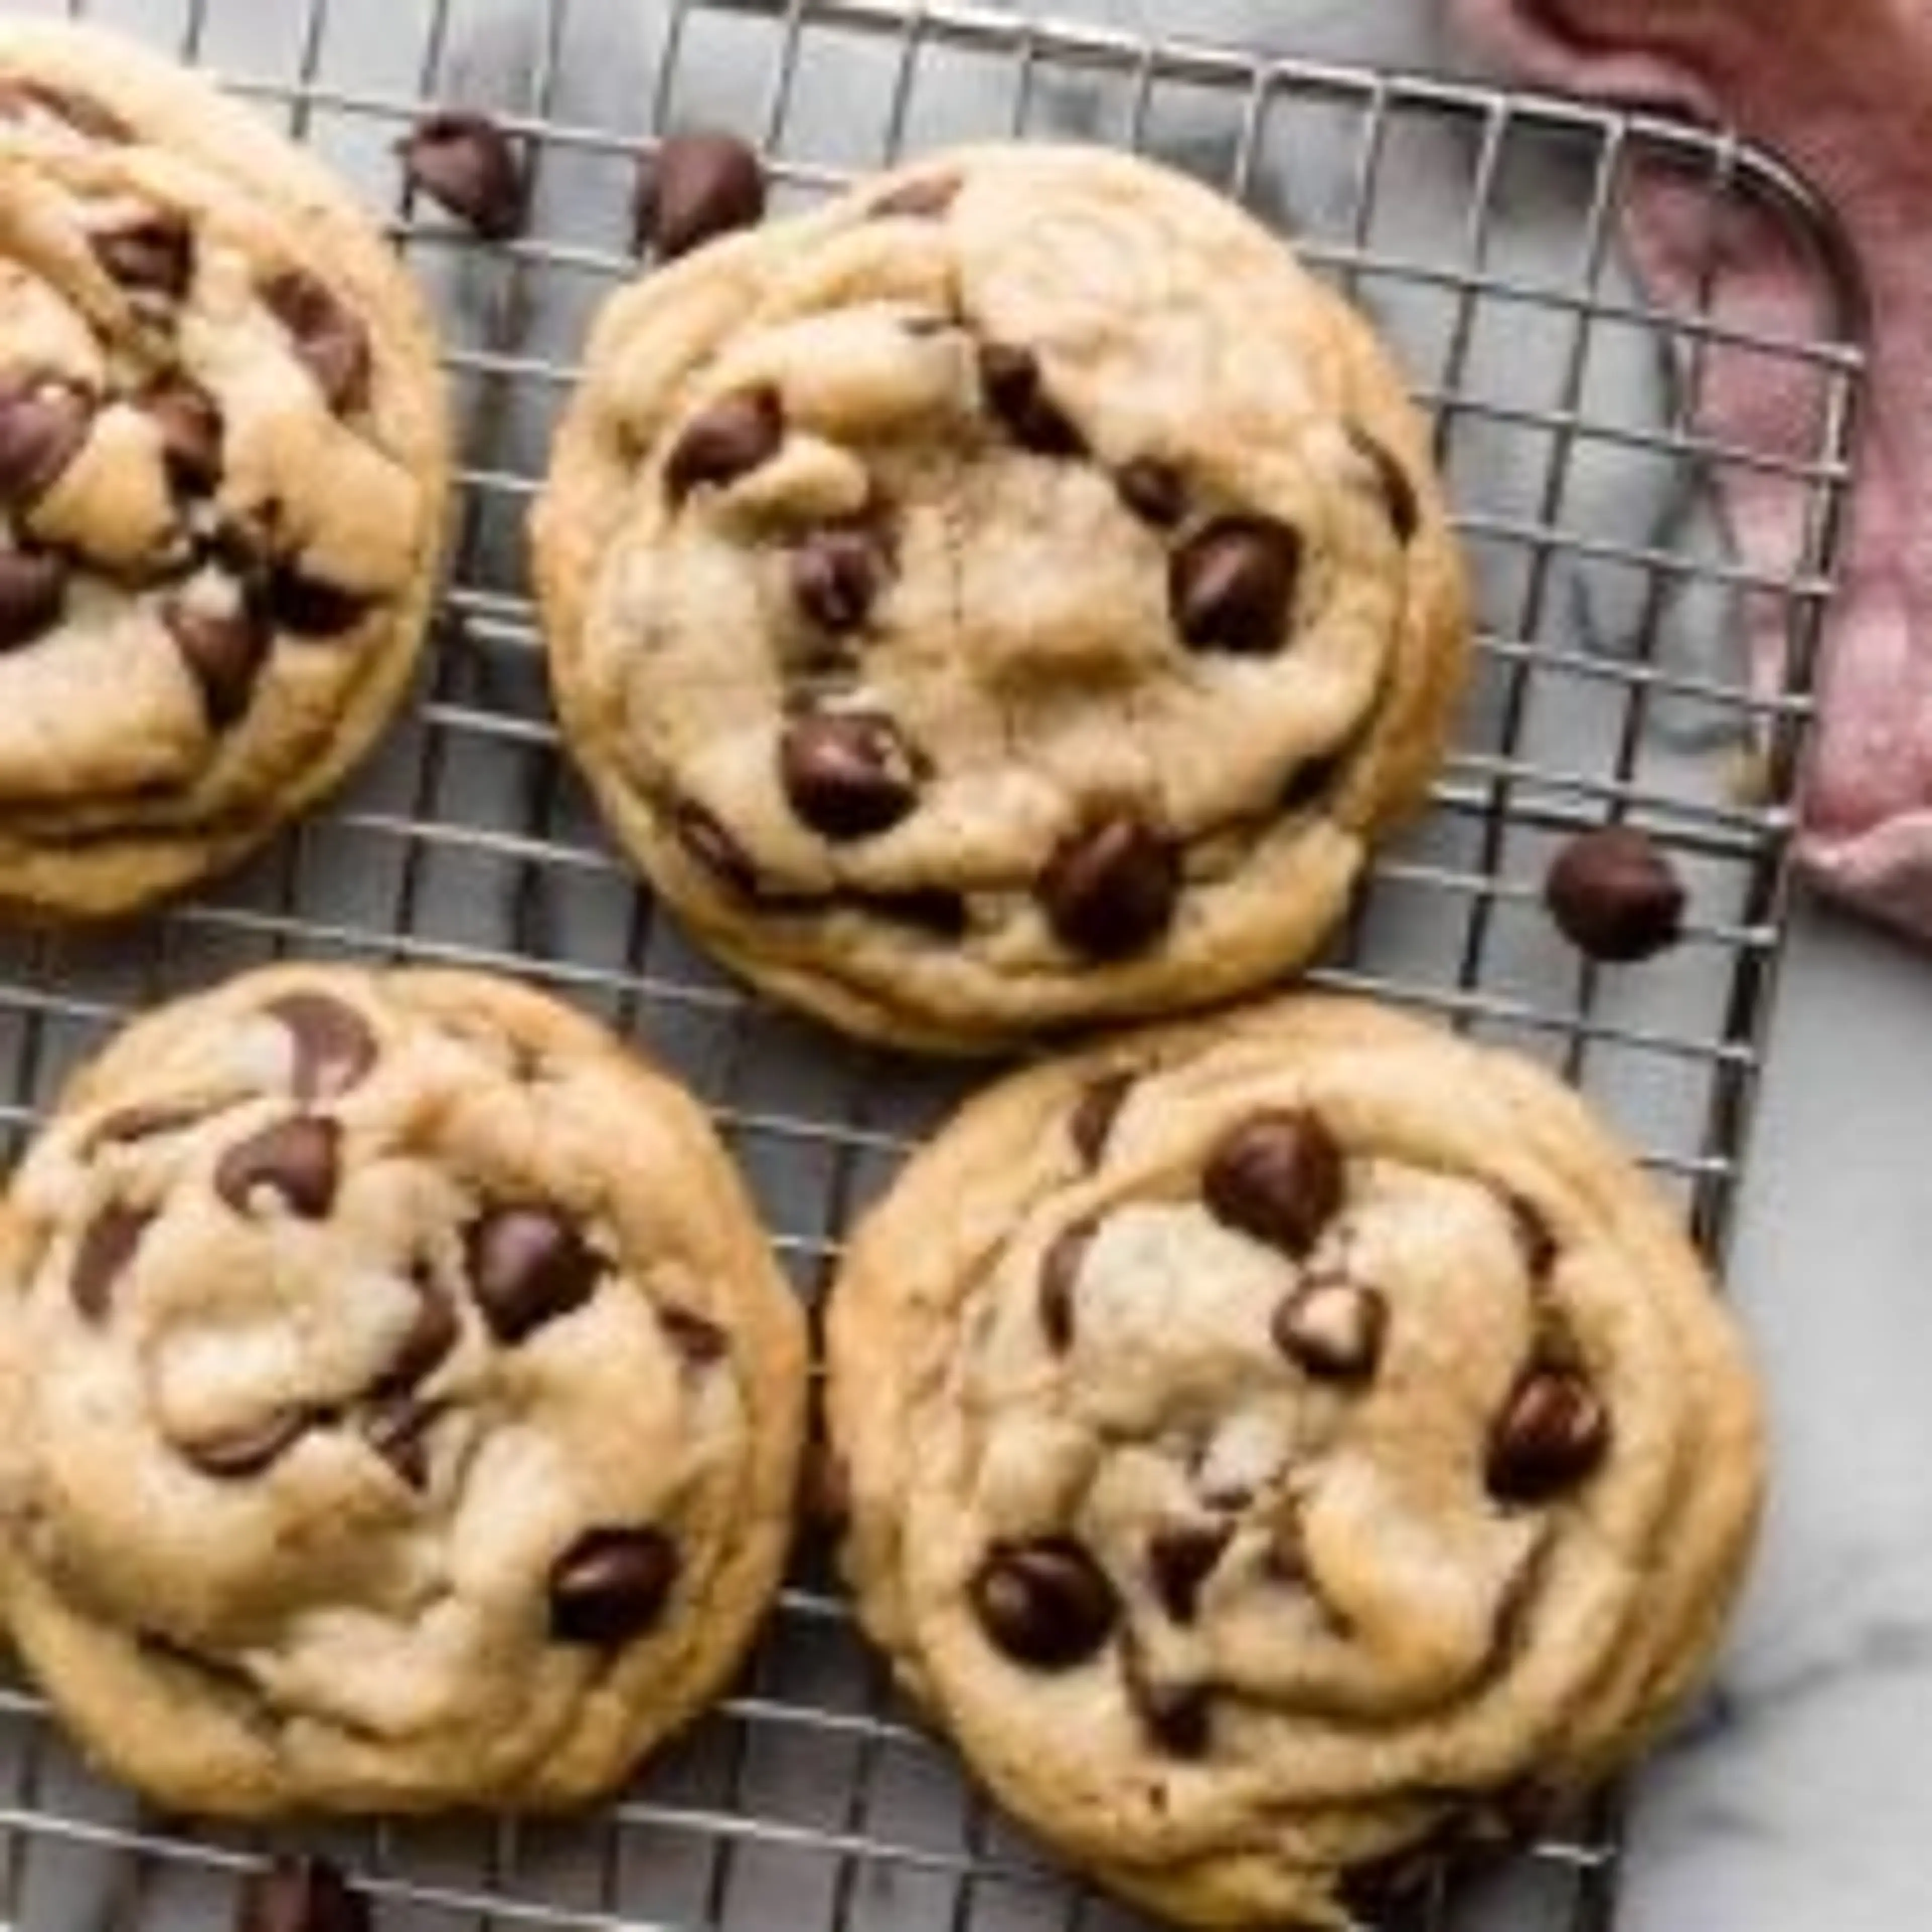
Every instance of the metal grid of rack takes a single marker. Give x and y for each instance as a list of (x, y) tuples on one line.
[(1568, 402)]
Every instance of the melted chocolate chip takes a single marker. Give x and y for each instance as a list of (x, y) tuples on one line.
[(1154, 490), (611, 1585), (1094, 1115), (1614, 895), (238, 1454), (33, 594), (306, 607), (42, 428), (712, 847), (699, 1343), (1311, 781), (1109, 890), (301, 1895), (931, 909), (1059, 1278), (434, 1331), (848, 775), (334, 1046), (528, 1266), (464, 162), (297, 1160), (1181, 1559), (1334, 1329), (330, 340), (725, 440), (1017, 394), (102, 1255), (154, 256), (1177, 1717), (397, 1429), (225, 651), (1534, 1237), (836, 576), (1278, 1177), (141, 1123), (1045, 1603), (697, 186), (924, 198), (1393, 483), (1553, 1432), (1232, 585), (191, 427)]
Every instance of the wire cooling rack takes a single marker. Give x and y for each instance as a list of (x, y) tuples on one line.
[(1484, 229)]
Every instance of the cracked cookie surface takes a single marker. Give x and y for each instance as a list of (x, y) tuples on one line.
[(222, 471), (401, 1405), (1013, 596), (1278, 1448)]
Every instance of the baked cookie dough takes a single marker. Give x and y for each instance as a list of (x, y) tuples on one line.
[(1014, 596), (223, 473), (399, 1406), (1280, 1448)]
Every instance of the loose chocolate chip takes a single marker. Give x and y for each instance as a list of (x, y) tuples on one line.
[(1181, 1559), (238, 1454), (847, 774), (1397, 489), (154, 256), (397, 1429), (611, 1585), (466, 163), (698, 1342), (924, 198), (1045, 1604), (1534, 1237), (1334, 1328), (330, 341), (1232, 584), (297, 1160), (528, 1266), (1059, 1278), (333, 1046), (191, 427), (83, 115), (306, 607), (1017, 393), (1109, 890), (301, 1895), (42, 428), (1552, 1433), (1178, 1716), (836, 576), (101, 1256), (434, 1331), (1094, 1115), (1613, 894), (931, 909), (697, 186), (1278, 1177), (224, 652), (1154, 490), (714, 848), (725, 440), (33, 593)]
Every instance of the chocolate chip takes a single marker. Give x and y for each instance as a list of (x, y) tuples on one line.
[(1177, 1716), (396, 1428), (1553, 1432), (1614, 895), (33, 594), (725, 440), (698, 1342), (306, 607), (1311, 781), (1535, 1237), (1232, 584), (1045, 1604), (466, 163), (1393, 482), (154, 256), (141, 1123), (191, 427), (712, 846), (924, 198), (1181, 1559), (301, 1895), (1334, 1328), (102, 1255), (699, 186), (1059, 1277), (1094, 1115), (836, 576), (527, 1266), (83, 115), (333, 1046), (224, 652), (611, 1585), (1278, 1177), (847, 774), (1109, 890), (42, 428), (931, 909), (297, 1160), (1154, 490), (238, 1454), (434, 1331), (330, 341), (1017, 393)]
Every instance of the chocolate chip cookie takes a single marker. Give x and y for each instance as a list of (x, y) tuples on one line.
[(223, 473), (1278, 1448), (1014, 596), (399, 1407)]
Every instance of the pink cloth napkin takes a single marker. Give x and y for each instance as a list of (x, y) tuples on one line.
[(1843, 89)]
